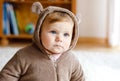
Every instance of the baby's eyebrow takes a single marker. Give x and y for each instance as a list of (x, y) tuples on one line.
[(53, 20)]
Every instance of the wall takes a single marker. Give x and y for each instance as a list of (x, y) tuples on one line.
[(94, 18)]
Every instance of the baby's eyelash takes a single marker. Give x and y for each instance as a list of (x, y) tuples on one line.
[(66, 34), (53, 32)]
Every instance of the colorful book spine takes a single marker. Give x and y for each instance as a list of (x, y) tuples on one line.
[(6, 24), (13, 20)]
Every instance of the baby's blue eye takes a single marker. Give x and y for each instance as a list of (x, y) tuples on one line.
[(53, 32), (66, 34)]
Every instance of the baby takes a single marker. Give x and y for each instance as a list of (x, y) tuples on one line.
[(48, 58)]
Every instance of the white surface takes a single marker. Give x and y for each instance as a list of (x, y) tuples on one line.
[(6, 53), (100, 66), (97, 65)]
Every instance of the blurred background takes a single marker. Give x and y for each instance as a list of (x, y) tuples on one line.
[(98, 47)]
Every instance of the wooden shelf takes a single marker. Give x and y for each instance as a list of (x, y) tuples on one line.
[(43, 2), (23, 36)]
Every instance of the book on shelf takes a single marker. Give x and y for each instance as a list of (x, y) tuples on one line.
[(6, 24), (12, 21)]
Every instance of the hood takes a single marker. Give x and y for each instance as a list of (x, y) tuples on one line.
[(37, 8)]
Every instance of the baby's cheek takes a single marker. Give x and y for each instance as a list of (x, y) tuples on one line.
[(67, 45)]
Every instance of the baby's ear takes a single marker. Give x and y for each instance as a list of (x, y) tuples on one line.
[(78, 16), (37, 7)]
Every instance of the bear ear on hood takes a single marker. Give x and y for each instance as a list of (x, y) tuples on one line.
[(37, 7), (78, 17)]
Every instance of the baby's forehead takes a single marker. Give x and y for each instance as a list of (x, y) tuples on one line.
[(56, 19), (58, 16), (59, 27)]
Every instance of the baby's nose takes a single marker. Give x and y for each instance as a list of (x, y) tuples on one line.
[(59, 38)]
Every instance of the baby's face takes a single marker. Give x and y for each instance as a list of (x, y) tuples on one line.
[(56, 37)]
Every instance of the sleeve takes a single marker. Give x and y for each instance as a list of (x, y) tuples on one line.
[(77, 74), (12, 70)]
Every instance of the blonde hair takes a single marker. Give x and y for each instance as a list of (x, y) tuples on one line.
[(58, 16)]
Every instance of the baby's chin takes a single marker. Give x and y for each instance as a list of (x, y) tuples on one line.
[(56, 52)]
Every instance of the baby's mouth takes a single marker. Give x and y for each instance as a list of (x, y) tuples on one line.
[(59, 46)]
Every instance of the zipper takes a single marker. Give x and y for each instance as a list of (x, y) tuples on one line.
[(54, 62), (55, 66)]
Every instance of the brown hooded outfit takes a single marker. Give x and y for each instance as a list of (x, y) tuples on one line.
[(32, 63)]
